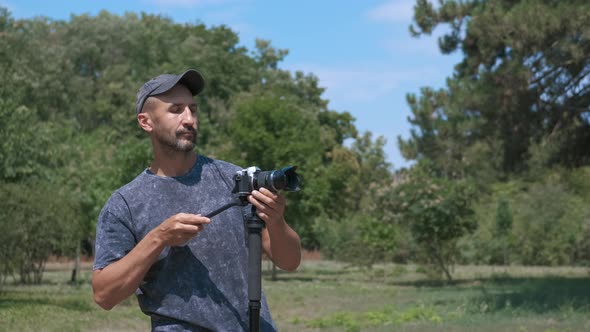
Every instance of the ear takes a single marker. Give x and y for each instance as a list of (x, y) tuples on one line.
[(145, 121)]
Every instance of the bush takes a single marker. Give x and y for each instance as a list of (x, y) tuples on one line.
[(36, 222), (361, 240)]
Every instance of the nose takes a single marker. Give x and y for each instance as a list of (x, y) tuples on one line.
[(187, 115)]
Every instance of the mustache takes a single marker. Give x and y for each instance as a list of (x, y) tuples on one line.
[(186, 131)]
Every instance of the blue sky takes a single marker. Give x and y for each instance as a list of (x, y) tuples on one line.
[(361, 51)]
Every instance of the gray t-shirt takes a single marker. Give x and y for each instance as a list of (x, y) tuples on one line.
[(202, 285)]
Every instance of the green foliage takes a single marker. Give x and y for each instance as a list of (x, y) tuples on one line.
[(355, 226), (521, 89), (357, 239), (503, 218), (439, 212), (549, 222), (67, 115), (37, 221), (510, 126), (29, 149), (513, 117), (503, 230), (378, 240), (271, 130)]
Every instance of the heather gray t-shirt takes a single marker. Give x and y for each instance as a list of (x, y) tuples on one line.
[(202, 285)]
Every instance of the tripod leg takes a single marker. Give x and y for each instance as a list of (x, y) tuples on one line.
[(255, 226)]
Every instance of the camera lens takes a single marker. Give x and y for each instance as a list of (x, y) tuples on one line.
[(284, 179)]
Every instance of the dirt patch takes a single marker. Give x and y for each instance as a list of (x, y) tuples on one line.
[(314, 255)]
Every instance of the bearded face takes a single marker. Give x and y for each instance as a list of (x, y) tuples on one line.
[(174, 119), (181, 140)]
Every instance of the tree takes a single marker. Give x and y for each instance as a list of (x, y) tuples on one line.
[(271, 130), (67, 116), (356, 225), (439, 212), (514, 113), (523, 81), (37, 221), (504, 226), (550, 220)]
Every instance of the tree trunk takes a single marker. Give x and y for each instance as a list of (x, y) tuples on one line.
[(505, 251), (437, 255), (76, 270)]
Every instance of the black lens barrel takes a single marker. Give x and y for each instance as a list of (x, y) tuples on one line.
[(284, 179)]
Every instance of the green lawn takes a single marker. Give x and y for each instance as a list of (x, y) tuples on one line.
[(330, 296)]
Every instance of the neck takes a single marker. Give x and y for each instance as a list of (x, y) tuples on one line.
[(172, 163)]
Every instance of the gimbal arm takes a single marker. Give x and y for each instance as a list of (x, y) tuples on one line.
[(237, 201)]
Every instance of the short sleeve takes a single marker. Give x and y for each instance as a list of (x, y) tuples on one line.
[(114, 233)]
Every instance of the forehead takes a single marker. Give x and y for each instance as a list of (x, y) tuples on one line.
[(179, 94)]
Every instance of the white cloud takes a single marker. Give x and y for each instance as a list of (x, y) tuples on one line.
[(374, 94), (393, 11), (365, 83)]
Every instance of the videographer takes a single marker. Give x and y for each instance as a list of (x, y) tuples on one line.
[(189, 272)]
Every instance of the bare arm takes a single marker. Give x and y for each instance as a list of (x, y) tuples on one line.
[(120, 279), (279, 241)]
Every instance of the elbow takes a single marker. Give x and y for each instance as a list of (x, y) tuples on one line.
[(101, 296), (291, 265), (103, 302), (291, 261)]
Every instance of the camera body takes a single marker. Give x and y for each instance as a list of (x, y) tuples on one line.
[(252, 178)]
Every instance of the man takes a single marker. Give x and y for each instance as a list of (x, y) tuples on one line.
[(189, 272)]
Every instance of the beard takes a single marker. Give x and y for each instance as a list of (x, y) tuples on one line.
[(177, 142)]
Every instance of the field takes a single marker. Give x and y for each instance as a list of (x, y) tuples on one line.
[(331, 296)]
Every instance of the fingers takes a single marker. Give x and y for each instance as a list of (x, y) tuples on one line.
[(192, 223), (195, 219), (181, 227), (269, 206), (260, 201), (267, 197)]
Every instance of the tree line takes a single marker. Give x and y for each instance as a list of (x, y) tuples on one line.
[(500, 165)]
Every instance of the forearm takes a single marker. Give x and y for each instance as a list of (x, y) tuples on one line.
[(120, 279), (283, 246)]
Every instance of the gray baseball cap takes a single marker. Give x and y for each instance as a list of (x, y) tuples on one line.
[(191, 78)]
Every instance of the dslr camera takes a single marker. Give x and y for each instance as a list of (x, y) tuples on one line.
[(252, 178)]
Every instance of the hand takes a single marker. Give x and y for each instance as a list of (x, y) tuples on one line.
[(178, 229), (270, 207), (279, 241)]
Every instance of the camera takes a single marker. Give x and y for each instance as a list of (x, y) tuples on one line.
[(252, 178)]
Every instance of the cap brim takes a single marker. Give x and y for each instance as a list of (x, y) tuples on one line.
[(191, 78)]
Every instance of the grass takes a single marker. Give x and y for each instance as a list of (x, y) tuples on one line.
[(397, 298), (330, 296), (57, 305)]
